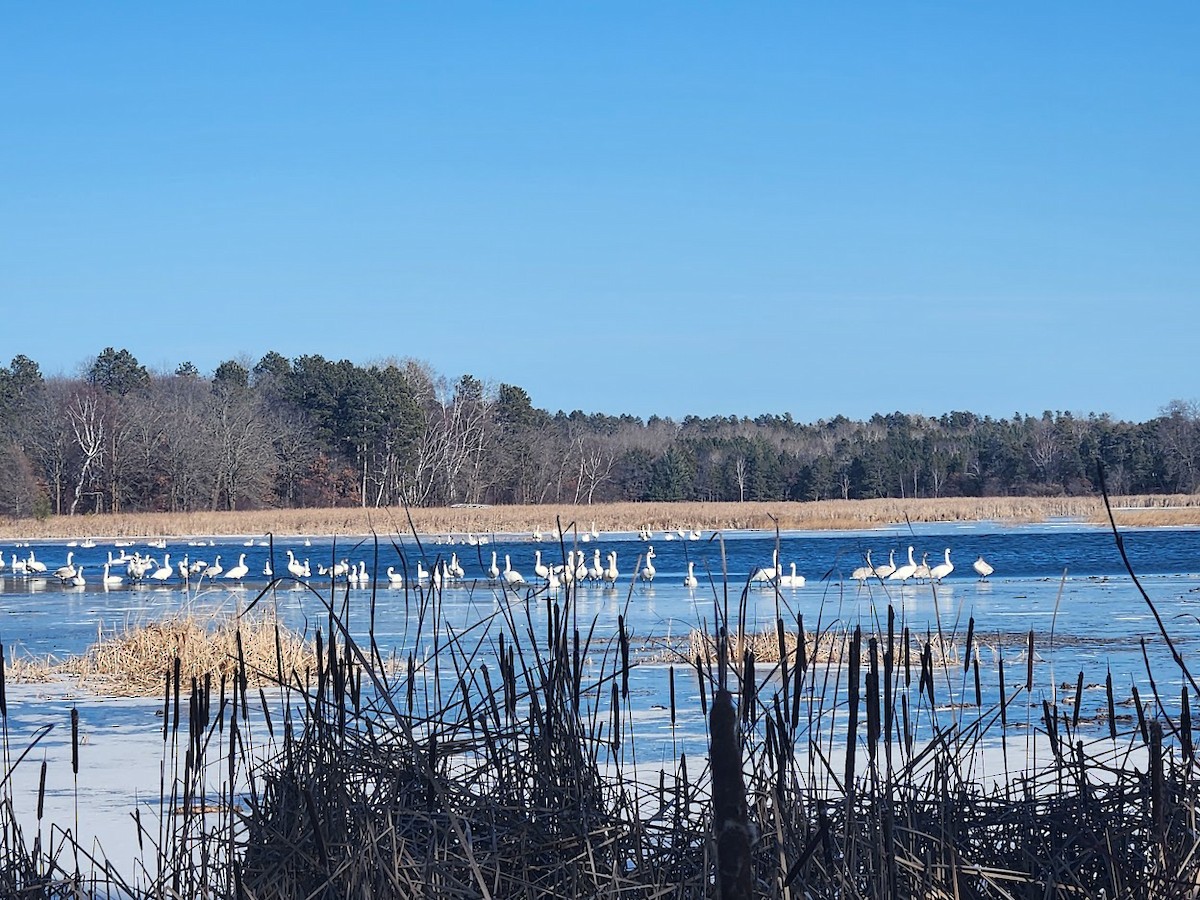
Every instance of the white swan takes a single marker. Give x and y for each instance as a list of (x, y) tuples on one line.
[(611, 574), (215, 569), (905, 572), (596, 571), (394, 577), (885, 571), (690, 580), (511, 575), (540, 569), (294, 566), (65, 572), (34, 566), (109, 579), (239, 571), (941, 570), (163, 572), (793, 580), (862, 573), (767, 574), (138, 566), (982, 567), (77, 579), (923, 573), (565, 572), (493, 570), (648, 570)]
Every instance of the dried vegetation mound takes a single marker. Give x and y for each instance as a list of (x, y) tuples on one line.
[(134, 661)]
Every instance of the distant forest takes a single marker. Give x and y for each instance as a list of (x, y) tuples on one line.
[(316, 432)]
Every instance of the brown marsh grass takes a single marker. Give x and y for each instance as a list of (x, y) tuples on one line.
[(822, 648), (624, 517), (132, 661)]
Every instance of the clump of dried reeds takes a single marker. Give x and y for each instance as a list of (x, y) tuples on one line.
[(132, 660), (773, 646)]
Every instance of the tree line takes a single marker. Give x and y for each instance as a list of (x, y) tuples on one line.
[(316, 432)]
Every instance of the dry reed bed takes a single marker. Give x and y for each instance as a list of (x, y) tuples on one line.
[(830, 647), (133, 661), (625, 517)]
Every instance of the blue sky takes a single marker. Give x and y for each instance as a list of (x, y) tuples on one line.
[(664, 208)]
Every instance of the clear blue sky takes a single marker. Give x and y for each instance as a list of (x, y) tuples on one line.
[(665, 208)]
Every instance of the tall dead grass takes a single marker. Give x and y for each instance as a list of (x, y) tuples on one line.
[(623, 517), (133, 661)]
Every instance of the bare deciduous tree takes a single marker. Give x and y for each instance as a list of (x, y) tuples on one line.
[(86, 414), (185, 450), (739, 472), (244, 457), (18, 487), (1179, 430), (594, 457), (51, 441), (1044, 449), (295, 451), (451, 445)]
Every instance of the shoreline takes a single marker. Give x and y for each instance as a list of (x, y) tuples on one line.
[(817, 515)]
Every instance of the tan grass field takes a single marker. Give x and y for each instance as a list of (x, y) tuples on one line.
[(1176, 509)]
